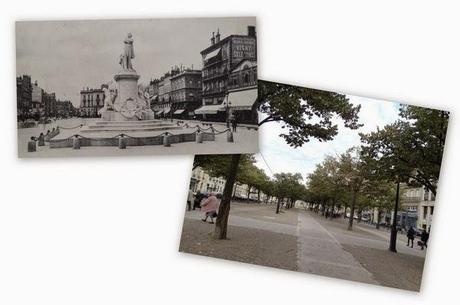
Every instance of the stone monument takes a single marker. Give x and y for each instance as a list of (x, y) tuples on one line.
[(127, 101)]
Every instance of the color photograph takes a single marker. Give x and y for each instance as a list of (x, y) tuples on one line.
[(344, 186), (136, 87)]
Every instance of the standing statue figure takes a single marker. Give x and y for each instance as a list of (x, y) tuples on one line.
[(128, 53)]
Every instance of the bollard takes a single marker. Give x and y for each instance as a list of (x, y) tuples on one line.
[(32, 146), (229, 136), (41, 140), (166, 141), (76, 143), (122, 143), (199, 137)]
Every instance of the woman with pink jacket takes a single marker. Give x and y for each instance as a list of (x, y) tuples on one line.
[(209, 206)]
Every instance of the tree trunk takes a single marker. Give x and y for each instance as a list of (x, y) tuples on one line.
[(258, 196), (394, 231), (234, 189), (379, 212), (278, 205), (220, 230), (249, 192), (352, 211)]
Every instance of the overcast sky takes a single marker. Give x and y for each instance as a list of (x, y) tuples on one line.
[(65, 56), (281, 157)]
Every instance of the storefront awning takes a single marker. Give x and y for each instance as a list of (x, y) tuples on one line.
[(179, 111), (160, 112), (209, 109), (212, 54), (242, 100), (167, 110)]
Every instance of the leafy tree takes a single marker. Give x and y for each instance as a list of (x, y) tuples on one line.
[(305, 112), (286, 186), (411, 148)]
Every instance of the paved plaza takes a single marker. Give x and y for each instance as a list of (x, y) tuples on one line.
[(245, 141), (304, 241)]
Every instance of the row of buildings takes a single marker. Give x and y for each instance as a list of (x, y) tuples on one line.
[(203, 183), (226, 86), (416, 210), (35, 103)]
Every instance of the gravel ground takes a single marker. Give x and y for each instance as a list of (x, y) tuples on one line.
[(390, 269), (253, 246), (264, 212)]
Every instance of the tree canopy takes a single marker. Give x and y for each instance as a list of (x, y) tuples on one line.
[(305, 113)]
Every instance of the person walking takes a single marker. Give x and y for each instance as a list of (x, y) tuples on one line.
[(424, 239), (234, 124), (209, 207), (198, 197), (410, 236)]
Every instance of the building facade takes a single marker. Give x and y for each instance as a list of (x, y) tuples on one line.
[(241, 104), (203, 183), (91, 100), (65, 109), (185, 93), (418, 204), (24, 96), (219, 60), (38, 106), (49, 102)]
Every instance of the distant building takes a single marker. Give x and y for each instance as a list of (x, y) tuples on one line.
[(418, 204), (49, 102), (65, 109), (154, 91), (177, 93), (24, 95), (91, 100), (163, 106), (202, 182), (37, 99), (185, 93), (219, 60)]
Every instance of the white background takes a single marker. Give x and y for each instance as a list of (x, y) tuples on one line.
[(106, 230)]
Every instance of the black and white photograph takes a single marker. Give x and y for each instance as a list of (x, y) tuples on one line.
[(136, 87)]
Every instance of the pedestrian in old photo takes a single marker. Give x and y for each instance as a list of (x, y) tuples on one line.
[(209, 207), (234, 123), (410, 236)]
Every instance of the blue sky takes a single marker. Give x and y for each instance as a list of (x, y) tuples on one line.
[(281, 157)]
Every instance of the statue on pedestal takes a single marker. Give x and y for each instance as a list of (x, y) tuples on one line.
[(128, 53)]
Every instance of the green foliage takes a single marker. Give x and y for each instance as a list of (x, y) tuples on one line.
[(305, 112), (217, 165), (288, 185), (410, 149)]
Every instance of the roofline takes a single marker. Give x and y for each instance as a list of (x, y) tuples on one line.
[(220, 43)]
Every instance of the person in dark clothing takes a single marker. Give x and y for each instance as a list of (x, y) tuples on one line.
[(424, 239), (197, 202), (234, 124), (410, 237)]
